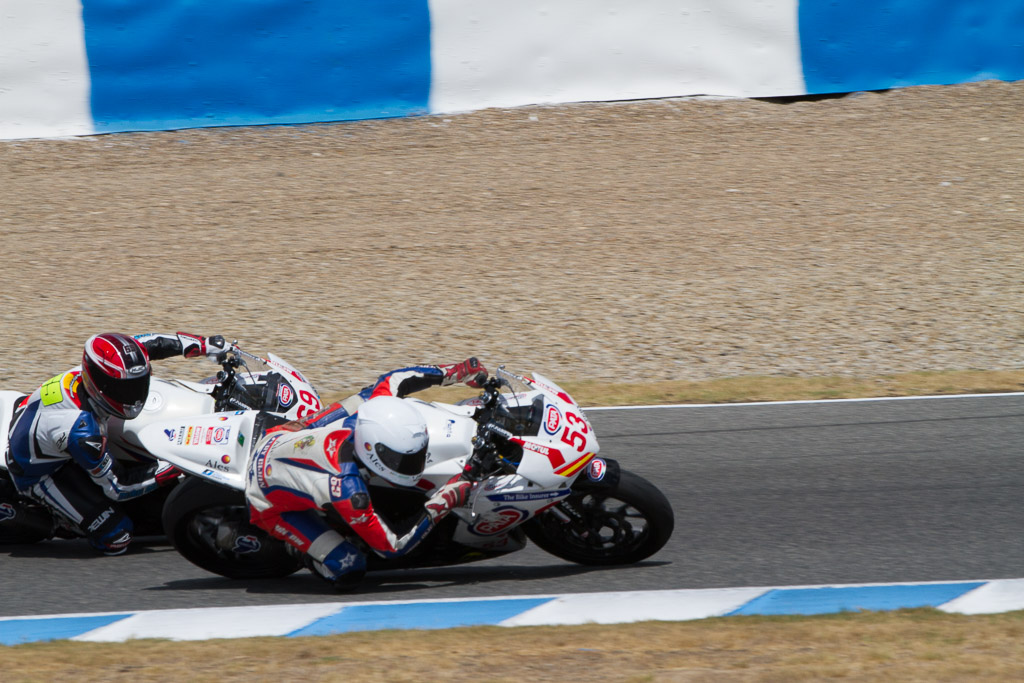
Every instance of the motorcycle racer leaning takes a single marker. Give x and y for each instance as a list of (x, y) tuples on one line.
[(323, 461), (58, 454)]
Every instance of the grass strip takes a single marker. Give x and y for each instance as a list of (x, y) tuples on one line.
[(904, 645)]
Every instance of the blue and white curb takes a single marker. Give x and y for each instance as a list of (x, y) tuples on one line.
[(963, 597)]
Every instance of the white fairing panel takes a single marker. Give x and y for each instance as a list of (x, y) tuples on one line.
[(167, 399), (215, 446), (451, 429)]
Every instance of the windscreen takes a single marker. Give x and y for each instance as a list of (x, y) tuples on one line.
[(520, 406)]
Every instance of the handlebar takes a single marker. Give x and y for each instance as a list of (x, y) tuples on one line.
[(225, 392), (484, 459)]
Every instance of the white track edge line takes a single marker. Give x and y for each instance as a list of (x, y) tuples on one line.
[(821, 400)]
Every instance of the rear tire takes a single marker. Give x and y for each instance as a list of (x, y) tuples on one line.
[(209, 525), (622, 524)]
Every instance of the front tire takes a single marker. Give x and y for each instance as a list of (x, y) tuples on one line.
[(209, 525), (622, 524)]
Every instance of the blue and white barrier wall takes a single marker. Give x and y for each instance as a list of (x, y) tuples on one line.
[(78, 67)]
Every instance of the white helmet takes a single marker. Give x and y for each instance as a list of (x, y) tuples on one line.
[(391, 439)]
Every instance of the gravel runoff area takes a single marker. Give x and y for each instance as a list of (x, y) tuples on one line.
[(667, 239)]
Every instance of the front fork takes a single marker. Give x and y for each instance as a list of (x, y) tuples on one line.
[(567, 513)]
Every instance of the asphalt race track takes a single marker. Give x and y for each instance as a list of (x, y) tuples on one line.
[(764, 495)]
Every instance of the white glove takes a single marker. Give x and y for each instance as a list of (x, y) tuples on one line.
[(193, 345), (450, 496), (216, 345)]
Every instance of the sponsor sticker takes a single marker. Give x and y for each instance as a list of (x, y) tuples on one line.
[(375, 462), (216, 465), (261, 478), (538, 448), (214, 474), (524, 497), (553, 455), (260, 463), (104, 516), (7, 512), (597, 469), (498, 520), (297, 541), (247, 544), (170, 434), (285, 394), (304, 443), (552, 419)]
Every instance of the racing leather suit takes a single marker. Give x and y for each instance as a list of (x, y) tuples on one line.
[(58, 426), (309, 465)]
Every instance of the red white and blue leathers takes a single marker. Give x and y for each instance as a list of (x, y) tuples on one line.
[(58, 453), (297, 473)]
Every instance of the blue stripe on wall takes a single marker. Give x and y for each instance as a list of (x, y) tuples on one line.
[(828, 600), (879, 44), (195, 63)]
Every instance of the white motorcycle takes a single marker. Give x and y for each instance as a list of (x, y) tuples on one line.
[(276, 388), (532, 450)]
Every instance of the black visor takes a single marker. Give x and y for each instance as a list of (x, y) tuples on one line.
[(403, 463), (125, 391), (128, 391)]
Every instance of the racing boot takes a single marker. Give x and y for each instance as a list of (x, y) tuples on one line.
[(343, 565)]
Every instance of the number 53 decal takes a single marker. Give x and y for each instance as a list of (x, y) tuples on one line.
[(574, 432)]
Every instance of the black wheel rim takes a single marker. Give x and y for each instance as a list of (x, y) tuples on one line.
[(600, 525), (225, 532)]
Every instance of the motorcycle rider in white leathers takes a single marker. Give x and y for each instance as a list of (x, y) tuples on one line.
[(322, 462), (58, 454)]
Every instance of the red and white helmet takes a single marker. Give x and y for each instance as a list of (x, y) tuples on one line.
[(115, 374)]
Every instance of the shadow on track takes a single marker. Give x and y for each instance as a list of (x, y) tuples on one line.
[(395, 581), (78, 548)]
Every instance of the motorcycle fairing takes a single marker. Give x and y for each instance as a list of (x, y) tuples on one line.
[(214, 446)]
